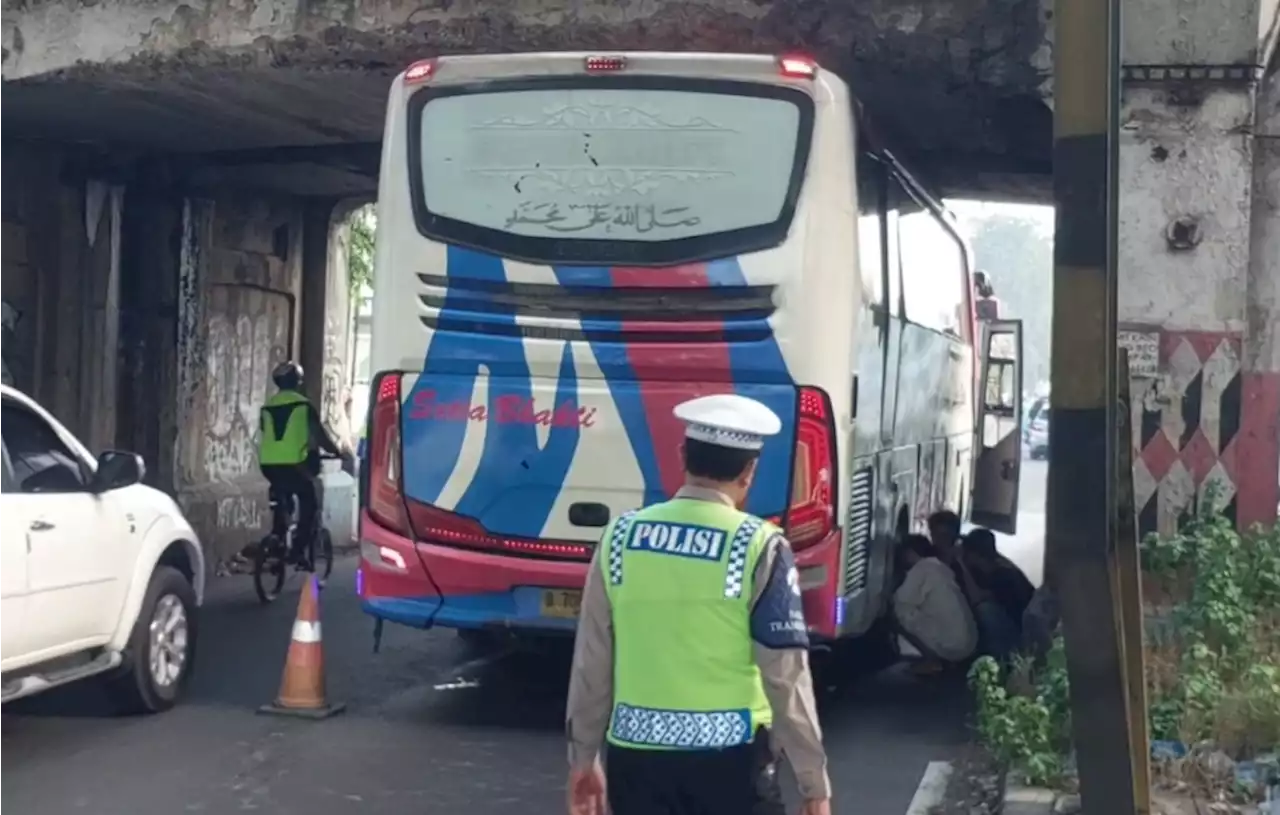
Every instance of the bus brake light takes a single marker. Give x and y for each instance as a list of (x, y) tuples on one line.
[(602, 64), (812, 513), (797, 67), (383, 499), (420, 71)]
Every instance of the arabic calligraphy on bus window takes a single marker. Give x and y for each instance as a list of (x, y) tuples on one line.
[(619, 164), (620, 220)]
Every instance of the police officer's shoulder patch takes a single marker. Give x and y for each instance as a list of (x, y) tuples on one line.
[(777, 619)]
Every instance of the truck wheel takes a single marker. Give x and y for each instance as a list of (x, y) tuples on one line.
[(162, 648)]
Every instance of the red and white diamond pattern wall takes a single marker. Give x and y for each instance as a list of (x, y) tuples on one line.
[(1187, 419)]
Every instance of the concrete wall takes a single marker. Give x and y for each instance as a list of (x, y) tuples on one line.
[(239, 282), (61, 288), (1185, 263), (150, 320), (20, 283), (1200, 256)]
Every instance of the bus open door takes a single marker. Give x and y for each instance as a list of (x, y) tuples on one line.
[(997, 460)]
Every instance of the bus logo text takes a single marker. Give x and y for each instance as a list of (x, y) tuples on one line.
[(505, 410)]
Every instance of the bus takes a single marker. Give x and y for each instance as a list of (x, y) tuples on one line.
[(571, 244)]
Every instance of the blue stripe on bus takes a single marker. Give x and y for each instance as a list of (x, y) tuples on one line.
[(620, 377), (511, 458)]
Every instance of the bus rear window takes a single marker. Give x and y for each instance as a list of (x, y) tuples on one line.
[(638, 170)]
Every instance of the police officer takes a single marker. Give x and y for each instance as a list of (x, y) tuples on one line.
[(691, 653), (288, 449)]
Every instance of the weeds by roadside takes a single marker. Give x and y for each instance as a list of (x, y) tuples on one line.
[(1213, 666)]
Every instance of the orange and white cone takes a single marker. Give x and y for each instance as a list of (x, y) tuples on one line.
[(302, 687)]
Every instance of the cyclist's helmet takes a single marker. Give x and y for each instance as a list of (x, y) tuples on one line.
[(287, 375)]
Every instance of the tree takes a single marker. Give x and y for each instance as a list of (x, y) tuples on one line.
[(1018, 257), (362, 229)]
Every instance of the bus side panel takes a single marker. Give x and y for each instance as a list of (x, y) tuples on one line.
[(937, 419)]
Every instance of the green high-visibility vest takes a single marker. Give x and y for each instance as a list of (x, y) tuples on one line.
[(679, 580), (286, 433)]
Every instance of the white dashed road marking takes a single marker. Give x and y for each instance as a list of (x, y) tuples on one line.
[(932, 789)]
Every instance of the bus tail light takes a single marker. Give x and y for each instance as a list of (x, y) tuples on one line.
[(796, 66), (383, 494), (812, 513), (433, 525), (420, 71), (596, 65)]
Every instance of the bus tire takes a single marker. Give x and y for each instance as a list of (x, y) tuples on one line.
[(877, 649)]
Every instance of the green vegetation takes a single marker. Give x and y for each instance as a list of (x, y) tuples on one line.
[(1212, 655), (1025, 723), (1213, 668), (362, 229)]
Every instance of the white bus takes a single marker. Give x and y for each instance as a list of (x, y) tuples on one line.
[(570, 244)]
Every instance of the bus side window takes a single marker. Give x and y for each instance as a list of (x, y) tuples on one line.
[(932, 268), (871, 226)]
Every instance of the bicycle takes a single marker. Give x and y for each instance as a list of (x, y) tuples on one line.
[(271, 561)]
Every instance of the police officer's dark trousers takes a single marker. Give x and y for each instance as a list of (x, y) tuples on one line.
[(739, 780)]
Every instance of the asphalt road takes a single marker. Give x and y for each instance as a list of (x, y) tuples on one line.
[(431, 727), (1026, 548)]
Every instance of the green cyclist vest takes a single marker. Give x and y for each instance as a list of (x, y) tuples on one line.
[(679, 576), (286, 434)]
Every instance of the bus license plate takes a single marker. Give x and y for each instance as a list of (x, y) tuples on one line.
[(561, 603)]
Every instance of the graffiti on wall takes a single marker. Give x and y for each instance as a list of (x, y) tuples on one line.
[(238, 512), (334, 389), (8, 358), (239, 355)]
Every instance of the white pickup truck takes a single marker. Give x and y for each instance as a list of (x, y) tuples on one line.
[(102, 576)]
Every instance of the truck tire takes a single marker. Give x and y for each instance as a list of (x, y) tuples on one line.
[(162, 647)]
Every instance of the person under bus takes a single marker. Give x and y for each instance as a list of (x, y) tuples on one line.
[(930, 608)]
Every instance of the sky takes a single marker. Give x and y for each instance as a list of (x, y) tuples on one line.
[(966, 210)]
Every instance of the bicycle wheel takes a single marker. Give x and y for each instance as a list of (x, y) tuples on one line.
[(322, 555), (269, 568)]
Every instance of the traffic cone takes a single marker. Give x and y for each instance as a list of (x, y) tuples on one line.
[(302, 687)]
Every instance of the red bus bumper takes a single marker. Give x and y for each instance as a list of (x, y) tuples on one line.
[(432, 585)]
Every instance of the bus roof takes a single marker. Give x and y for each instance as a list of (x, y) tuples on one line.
[(781, 69)]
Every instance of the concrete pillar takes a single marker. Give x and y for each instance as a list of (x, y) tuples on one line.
[(27, 211), (316, 217), (1199, 259), (99, 351), (239, 275), (62, 263), (148, 394), (326, 309)]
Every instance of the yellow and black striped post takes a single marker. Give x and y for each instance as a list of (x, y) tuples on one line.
[(1082, 445)]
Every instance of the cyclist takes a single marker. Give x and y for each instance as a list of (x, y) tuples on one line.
[(289, 451)]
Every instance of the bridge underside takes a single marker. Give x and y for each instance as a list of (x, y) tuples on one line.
[(178, 173), (304, 114)]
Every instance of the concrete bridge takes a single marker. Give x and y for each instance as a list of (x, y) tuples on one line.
[(178, 173)]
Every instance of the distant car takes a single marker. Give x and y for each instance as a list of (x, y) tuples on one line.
[(102, 576), (1038, 436)]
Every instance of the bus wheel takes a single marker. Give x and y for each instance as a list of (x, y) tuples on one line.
[(875, 650)]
